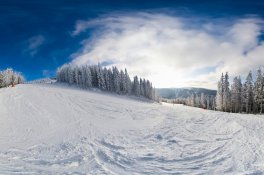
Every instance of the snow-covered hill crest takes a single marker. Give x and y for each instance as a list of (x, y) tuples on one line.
[(48, 129)]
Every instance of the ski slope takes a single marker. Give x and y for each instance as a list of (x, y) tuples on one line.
[(51, 129)]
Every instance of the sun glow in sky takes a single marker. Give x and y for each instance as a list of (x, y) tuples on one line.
[(172, 43), (173, 51)]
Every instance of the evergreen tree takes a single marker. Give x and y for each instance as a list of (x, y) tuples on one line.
[(203, 101), (100, 78), (128, 83), (208, 105), (116, 80), (107, 79), (248, 93), (149, 89), (122, 82), (258, 92), (220, 94), (87, 79), (111, 83), (213, 103), (197, 101), (226, 95), (193, 100), (236, 95), (141, 87), (136, 86)]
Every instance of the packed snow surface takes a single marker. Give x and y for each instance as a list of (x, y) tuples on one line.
[(51, 129)]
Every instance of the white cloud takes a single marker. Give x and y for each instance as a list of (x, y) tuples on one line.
[(33, 44), (171, 51)]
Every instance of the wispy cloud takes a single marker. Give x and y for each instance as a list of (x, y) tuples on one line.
[(173, 51), (33, 44)]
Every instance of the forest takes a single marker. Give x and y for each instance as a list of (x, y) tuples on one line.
[(237, 97), (245, 97), (106, 79)]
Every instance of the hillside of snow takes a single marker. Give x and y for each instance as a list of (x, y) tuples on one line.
[(51, 129)]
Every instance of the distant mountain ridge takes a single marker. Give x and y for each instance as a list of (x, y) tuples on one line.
[(42, 81), (172, 93)]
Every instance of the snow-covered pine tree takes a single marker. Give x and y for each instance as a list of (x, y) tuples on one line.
[(141, 87), (236, 95), (136, 86), (226, 95), (213, 103), (71, 75), (233, 95), (116, 80), (149, 90), (262, 97), (258, 92), (101, 80), (122, 82), (197, 101), (188, 101), (79, 75), (107, 79), (239, 94), (193, 100), (94, 71), (75, 75), (86, 78), (208, 104), (83, 76), (144, 87), (1, 80), (220, 93), (203, 101), (62, 73), (154, 94), (128, 83), (248, 93), (111, 83), (243, 98)]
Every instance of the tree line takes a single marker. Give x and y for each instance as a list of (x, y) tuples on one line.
[(201, 101), (9, 77), (107, 79), (245, 97)]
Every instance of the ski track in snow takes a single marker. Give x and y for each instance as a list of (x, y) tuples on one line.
[(50, 129)]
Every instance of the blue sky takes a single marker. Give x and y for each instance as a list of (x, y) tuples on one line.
[(39, 36)]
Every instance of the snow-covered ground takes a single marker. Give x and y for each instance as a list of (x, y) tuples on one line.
[(50, 129)]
